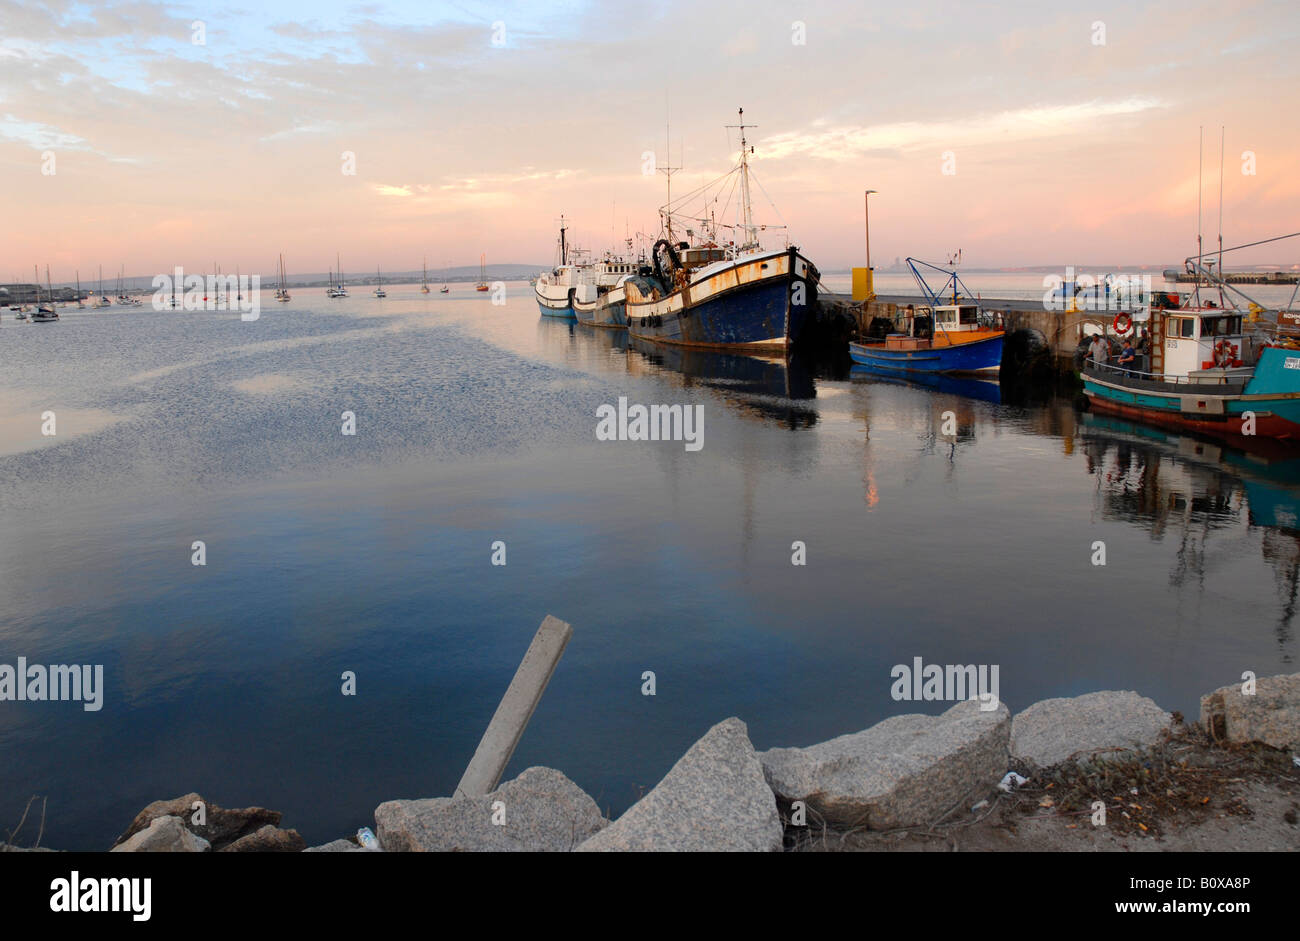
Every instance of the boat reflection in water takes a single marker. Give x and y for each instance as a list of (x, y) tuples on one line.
[(986, 390), (1203, 493), (770, 388)]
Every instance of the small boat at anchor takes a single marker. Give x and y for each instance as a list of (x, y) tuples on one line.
[(950, 334)]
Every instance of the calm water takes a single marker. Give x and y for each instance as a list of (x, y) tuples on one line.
[(475, 423)]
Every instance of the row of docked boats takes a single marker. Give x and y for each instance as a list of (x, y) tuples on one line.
[(703, 283)]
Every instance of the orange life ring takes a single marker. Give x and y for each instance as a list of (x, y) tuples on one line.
[(1127, 321), (1225, 353)]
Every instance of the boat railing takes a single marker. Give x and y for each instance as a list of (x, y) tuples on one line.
[(1127, 372)]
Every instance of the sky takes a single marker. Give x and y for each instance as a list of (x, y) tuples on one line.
[(1021, 133)]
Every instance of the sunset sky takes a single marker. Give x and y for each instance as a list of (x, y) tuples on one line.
[(168, 152)]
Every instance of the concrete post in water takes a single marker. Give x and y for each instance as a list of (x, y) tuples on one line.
[(516, 708)]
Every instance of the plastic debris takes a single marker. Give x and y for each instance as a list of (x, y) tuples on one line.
[(1011, 780), (368, 840), (980, 806)]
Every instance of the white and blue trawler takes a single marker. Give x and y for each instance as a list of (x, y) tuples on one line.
[(709, 292), (589, 291)]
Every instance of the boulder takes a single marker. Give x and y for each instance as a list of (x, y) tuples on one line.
[(222, 825), (268, 839), (905, 771), (1271, 716), (163, 835), (714, 798), (543, 812), (1054, 730), (336, 846)]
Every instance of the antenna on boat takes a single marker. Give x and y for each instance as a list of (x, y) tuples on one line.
[(1200, 167), (668, 172), (1221, 298), (564, 245)]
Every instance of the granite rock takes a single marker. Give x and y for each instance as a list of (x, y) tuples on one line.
[(714, 798), (906, 771), (543, 812), (1054, 730)]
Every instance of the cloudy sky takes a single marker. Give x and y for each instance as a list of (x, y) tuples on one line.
[(473, 127)]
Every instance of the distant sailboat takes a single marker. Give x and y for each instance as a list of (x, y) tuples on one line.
[(45, 312), (340, 289), (103, 299), (482, 274), (79, 303), (424, 278), (379, 291), (282, 294)]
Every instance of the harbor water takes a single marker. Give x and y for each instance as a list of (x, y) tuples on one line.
[(936, 521)]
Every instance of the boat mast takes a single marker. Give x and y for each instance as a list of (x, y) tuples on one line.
[(564, 245), (751, 237)]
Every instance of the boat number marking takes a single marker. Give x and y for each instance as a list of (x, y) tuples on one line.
[(1292, 362)]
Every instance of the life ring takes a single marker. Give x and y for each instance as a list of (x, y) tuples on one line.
[(1225, 353), (1126, 320)]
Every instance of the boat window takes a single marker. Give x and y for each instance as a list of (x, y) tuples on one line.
[(1182, 327), (968, 315), (1220, 326)]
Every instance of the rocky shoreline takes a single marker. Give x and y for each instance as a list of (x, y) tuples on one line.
[(909, 772)]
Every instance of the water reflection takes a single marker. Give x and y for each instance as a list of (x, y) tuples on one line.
[(983, 389), (772, 388), (1204, 495)]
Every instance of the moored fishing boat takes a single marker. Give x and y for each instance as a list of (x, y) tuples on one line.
[(714, 293), (1213, 368), (555, 289), (950, 335)]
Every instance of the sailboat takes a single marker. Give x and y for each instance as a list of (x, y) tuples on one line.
[(444, 289), (482, 274), (79, 303), (424, 278), (379, 291), (103, 300), (45, 312), (282, 293), (340, 289)]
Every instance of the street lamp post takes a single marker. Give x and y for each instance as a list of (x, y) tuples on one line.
[(866, 215)]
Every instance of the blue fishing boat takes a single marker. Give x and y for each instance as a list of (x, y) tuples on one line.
[(950, 334), (711, 292), (1214, 368)]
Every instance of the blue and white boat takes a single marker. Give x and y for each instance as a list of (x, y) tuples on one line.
[(1213, 368), (950, 335), (710, 292), (588, 291)]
